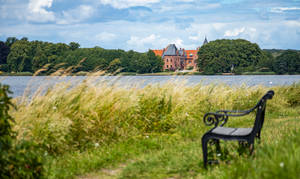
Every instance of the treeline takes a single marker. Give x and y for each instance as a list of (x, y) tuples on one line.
[(30, 56), (219, 56), (239, 56)]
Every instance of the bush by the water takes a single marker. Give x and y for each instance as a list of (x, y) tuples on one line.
[(17, 159)]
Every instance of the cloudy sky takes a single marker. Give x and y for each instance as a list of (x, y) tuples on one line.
[(152, 24)]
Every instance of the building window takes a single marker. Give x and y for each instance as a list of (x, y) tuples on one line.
[(190, 61), (167, 60), (171, 60), (171, 66), (167, 66)]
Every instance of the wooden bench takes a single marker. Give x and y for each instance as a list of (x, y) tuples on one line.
[(246, 135)]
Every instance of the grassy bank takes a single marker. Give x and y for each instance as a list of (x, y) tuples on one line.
[(259, 73), (16, 74), (143, 74), (111, 131)]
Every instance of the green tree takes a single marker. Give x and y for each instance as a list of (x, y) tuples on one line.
[(266, 63), (220, 56), (10, 41), (24, 38), (156, 62), (74, 45), (126, 62), (4, 51), (19, 58), (39, 59), (287, 62)]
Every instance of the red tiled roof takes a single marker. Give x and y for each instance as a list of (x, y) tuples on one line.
[(158, 52), (188, 52)]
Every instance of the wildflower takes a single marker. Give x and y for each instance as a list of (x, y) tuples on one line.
[(147, 136), (186, 114), (54, 108), (96, 144), (218, 154), (281, 164)]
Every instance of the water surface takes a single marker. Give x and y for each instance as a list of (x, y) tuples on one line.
[(18, 84)]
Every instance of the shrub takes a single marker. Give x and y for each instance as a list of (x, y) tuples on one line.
[(292, 95), (17, 160)]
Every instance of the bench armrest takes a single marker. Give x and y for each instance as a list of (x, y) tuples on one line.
[(235, 113), (222, 116), (214, 118)]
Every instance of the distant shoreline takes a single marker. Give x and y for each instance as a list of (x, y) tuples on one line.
[(152, 74)]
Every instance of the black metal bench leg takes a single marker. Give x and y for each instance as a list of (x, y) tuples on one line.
[(251, 147), (218, 148), (204, 150)]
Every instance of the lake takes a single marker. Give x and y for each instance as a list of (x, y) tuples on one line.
[(18, 84)]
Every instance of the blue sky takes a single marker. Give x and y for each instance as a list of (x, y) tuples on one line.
[(152, 24)]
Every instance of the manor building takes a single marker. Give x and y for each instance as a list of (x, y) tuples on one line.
[(178, 59)]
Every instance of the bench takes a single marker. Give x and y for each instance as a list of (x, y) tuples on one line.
[(242, 135)]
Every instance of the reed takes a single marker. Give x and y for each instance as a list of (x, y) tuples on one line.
[(158, 127)]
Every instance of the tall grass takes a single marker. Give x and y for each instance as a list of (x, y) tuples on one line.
[(72, 121)]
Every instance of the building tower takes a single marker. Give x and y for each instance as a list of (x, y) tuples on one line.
[(205, 41)]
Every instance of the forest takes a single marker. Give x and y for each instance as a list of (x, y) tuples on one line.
[(32, 56), (217, 57)]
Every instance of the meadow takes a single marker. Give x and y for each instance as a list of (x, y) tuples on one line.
[(100, 129)]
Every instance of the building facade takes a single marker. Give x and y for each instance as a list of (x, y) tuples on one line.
[(179, 59)]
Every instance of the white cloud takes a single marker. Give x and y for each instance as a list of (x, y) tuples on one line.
[(197, 31), (195, 38), (122, 4), (105, 36), (282, 9), (185, 7), (141, 41), (231, 1), (13, 10), (185, 0), (292, 23), (234, 32), (250, 33), (178, 42), (152, 41), (38, 12), (78, 14)]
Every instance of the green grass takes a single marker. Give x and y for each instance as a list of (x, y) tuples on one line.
[(259, 73), (16, 74), (107, 131)]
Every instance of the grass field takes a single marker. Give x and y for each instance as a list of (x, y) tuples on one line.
[(100, 130)]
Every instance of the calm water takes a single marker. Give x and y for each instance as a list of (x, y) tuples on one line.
[(18, 84)]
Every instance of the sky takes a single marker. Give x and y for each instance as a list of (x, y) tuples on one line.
[(141, 25)]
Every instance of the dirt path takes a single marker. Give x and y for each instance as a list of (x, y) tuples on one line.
[(106, 173)]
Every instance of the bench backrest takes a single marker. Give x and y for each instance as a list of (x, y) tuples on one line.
[(260, 112)]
